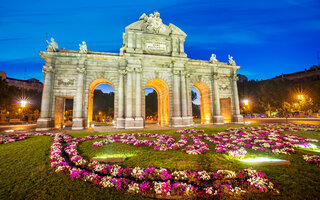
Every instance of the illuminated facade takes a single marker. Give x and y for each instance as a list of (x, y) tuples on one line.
[(152, 55)]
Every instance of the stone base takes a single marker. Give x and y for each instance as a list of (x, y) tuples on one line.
[(238, 119), (218, 119), (186, 121), (77, 124), (44, 124), (177, 122), (129, 123), (120, 122), (138, 122)]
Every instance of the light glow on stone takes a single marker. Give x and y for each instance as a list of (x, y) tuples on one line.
[(117, 155), (309, 146), (260, 159)]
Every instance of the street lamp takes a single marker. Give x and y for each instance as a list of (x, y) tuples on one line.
[(300, 96), (23, 103), (246, 102)]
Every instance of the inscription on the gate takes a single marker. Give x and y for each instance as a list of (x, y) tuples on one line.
[(156, 46)]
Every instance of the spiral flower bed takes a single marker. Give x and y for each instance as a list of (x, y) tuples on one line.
[(168, 183), (151, 181)]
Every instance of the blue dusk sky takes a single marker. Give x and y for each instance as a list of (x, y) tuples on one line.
[(266, 38)]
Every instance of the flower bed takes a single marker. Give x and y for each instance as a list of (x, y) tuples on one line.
[(190, 131), (152, 182), (315, 159), (233, 142)]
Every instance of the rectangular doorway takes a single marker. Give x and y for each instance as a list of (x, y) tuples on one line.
[(63, 112), (226, 112)]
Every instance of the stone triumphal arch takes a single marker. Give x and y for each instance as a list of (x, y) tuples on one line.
[(152, 55)]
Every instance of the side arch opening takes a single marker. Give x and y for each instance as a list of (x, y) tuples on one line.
[(162, 91)]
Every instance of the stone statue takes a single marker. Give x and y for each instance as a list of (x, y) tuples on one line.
[(154, 22), (144, 17), (53, 46), (231, 61), (83, 47), (213, 58)]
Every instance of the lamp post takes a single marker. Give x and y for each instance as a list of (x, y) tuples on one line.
[(23, 105), (246, 106)]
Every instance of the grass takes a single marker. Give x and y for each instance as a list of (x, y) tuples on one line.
[(26, 174)]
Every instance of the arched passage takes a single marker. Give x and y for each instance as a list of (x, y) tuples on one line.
[(205, 105), (92, 87), (162, 90)]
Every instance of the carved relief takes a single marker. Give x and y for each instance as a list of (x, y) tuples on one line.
[(65, 82), (224, 84)]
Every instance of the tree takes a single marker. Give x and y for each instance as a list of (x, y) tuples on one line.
[(152, 104), (194, 95)]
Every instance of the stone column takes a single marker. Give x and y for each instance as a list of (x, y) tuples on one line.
[(77, 122), (189, 100), (237, 118), (45, 120), (129, 121), (120, 119), (176, 119), (184, 108), (217, 118), (138, 121)]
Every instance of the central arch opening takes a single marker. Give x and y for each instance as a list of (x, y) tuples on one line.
[(162, 90), (202, 92), (100, 103)]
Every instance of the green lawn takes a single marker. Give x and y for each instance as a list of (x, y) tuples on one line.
[(26, 174)]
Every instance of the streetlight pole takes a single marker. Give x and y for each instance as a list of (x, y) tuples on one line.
[(246, 105)]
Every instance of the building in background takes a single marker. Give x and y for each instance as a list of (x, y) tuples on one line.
[(30, 84), (242, 78), (311, 74)]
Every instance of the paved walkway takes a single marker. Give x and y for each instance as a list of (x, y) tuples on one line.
[(14, 129)]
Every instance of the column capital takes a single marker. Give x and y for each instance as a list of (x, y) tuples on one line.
[(184, 73), (81, 70), (176, 72), (138, 69), (130, 69), (122, 72), (47, 69)]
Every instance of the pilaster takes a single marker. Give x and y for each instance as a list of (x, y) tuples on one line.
[(120, 120), (138, 120), (236, 117), (45, 121), (129, 120), (217, 118), (78, 120), (176, 119)]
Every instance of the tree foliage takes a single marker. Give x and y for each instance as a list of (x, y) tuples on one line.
[(152, 104), (103, 102), (280, 95)]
